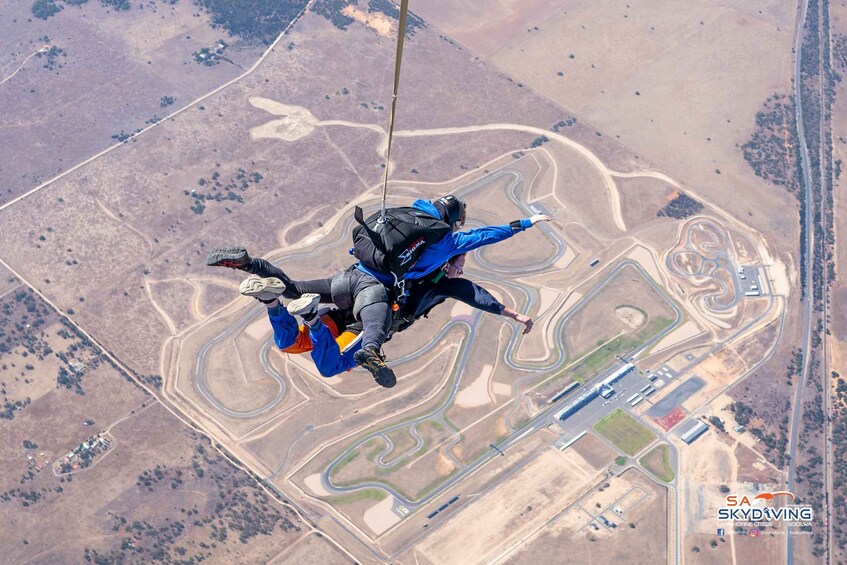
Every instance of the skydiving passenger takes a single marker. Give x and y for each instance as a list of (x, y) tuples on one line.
[(364, 289), (332, 336)]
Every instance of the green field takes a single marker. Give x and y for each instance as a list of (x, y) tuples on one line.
[(625, 432), (656, 461), (621, 345), (365, 494)]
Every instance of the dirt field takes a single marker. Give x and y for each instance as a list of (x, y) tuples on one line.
[(641, 198), (645, 543), (313, 549), (115, 65), (839, 313), (593, 450), (477, 439), (763, 549), (495, 520), (158, 474), (602, 318)]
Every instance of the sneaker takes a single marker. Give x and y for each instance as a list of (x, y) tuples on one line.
[(232, 257), (264, 290), (306, 306), (373, 362)]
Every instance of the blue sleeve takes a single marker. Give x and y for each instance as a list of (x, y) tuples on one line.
[(327, 355), (464, 241), (285, 326), (453, 244)]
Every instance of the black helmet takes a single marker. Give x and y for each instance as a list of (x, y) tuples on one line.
[(451, 209)]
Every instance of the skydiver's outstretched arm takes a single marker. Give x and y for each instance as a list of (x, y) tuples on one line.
[(429, 295), (460, 242)]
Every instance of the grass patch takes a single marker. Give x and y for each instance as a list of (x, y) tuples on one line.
[(625, 432), (435, 484), (341, 464), (432, 424), (621, 461), (365, 494), (604, 355), (621, 345), (657, 462), (378, 446)]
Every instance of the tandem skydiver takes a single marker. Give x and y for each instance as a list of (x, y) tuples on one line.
[(332, 336), (368, 290)]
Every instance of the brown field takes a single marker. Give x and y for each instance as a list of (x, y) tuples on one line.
[(642, 198), (766, 390), (312, 549), (752, 469), (476, 440), (763, 549), (116, 68), (425, 473), (656, 462), (838, 124), (359, 463), (485, 479), (646, 543), (839, 313), (8, 281), (157, 472), (404, 469), (486, 527), (601, 319), (594, 450), (402, 441)]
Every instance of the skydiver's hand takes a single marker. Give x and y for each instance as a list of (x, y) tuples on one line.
[(539, 218), (526, 321)]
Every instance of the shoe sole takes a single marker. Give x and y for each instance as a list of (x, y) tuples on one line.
[(254, 286), (306, 304), (379, 370), (232, 257)]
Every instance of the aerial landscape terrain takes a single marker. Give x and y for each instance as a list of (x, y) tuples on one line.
[(679, 399)]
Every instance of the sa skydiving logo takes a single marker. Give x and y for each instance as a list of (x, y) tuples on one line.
[(743, 509), (406, 255)]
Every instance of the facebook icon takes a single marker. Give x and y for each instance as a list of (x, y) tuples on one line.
[(721, 532)]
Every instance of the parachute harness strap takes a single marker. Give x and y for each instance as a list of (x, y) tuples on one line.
[(401, 35), (400, 285)]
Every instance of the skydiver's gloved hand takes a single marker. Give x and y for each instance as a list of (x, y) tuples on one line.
[(526, 321), (518, 317), (539, 218)]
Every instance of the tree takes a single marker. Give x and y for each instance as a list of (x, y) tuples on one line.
[(43, 9)]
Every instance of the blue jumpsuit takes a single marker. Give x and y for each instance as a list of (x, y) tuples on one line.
[(422, 297)]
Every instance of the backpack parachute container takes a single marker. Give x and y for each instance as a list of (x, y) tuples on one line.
[(395, 244)]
